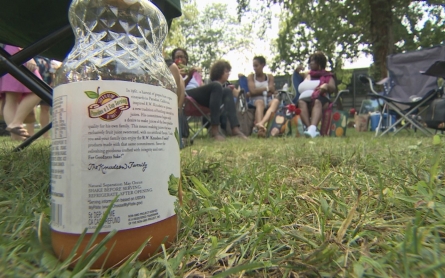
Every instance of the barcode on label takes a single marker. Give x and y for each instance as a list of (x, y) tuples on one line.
[(56, 214)]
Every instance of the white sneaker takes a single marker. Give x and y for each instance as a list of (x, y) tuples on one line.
[(310, 135)]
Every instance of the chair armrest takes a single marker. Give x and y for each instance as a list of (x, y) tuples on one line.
[(339, 94), (368, 80)]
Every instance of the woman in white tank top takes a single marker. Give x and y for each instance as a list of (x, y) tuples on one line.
[(314, 93), (261, 90)]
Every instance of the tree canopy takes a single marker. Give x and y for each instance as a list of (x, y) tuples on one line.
[(345, 28), (208, 35)]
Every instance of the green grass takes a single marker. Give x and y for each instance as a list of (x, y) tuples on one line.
[(282, 207)]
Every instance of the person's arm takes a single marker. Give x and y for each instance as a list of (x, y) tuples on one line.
[(236, 91), (252, 89), (180, 90), (328, 87), (31, 65), (271, 84)]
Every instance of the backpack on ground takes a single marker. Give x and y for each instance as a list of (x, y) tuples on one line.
[(287, 121), (435, 114), (245, 115)]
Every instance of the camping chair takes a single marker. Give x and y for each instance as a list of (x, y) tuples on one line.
[(22, 24), (329, 123), (334, 119), (197, 116), (192, 110), (407, 92)]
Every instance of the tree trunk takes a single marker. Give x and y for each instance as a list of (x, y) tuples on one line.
[(382, 39)]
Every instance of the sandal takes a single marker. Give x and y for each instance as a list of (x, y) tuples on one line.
[(262, 133), (19, 131)]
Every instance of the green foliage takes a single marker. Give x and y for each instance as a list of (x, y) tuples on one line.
[(209, 35), (174, 37), (345, 28), (343, 78)]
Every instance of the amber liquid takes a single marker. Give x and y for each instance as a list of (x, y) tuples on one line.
[(125, 243), (79, 66)]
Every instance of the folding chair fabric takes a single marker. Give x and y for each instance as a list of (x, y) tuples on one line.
[(242, 81), (194, 109), (23, 22), (404, 69)]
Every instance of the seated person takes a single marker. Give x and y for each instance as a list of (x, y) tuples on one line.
[(314, 93), (261, 89), (181, 59), (180, 87), (212, 95)]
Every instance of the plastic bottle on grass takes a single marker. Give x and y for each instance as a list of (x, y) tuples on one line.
[(285, 87), (115, 132)]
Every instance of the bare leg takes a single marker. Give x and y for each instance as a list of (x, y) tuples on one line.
[(304, 112), (259, 110), (317, 111), (44, 118), (1, 107), (11, 103), (272, 108), (30, 128), (23, 109)]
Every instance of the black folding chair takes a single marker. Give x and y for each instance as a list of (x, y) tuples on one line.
[(41, 27), (407, 90)]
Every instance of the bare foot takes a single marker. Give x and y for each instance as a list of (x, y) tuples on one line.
[(214, 133), (15, 137), (262, 133), (240, 135), (218, 137), (260, 126)]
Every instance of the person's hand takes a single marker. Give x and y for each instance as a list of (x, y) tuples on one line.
[(235, 91), (324, 88), (183, 71), (299, 68), (192, 71), (31, 65)]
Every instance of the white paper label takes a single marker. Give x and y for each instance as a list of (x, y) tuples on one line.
[(113, 138)]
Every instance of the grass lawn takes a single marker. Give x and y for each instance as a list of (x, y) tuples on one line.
[(283, 207)]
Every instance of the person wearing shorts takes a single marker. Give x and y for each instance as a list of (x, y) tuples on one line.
[(314, 93)]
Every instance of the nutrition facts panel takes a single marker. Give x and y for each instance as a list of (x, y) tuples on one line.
[(59, 117)]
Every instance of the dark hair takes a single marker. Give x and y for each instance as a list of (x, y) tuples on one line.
[(218, 68), (180, 49), (260, 59), (319, 58)]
